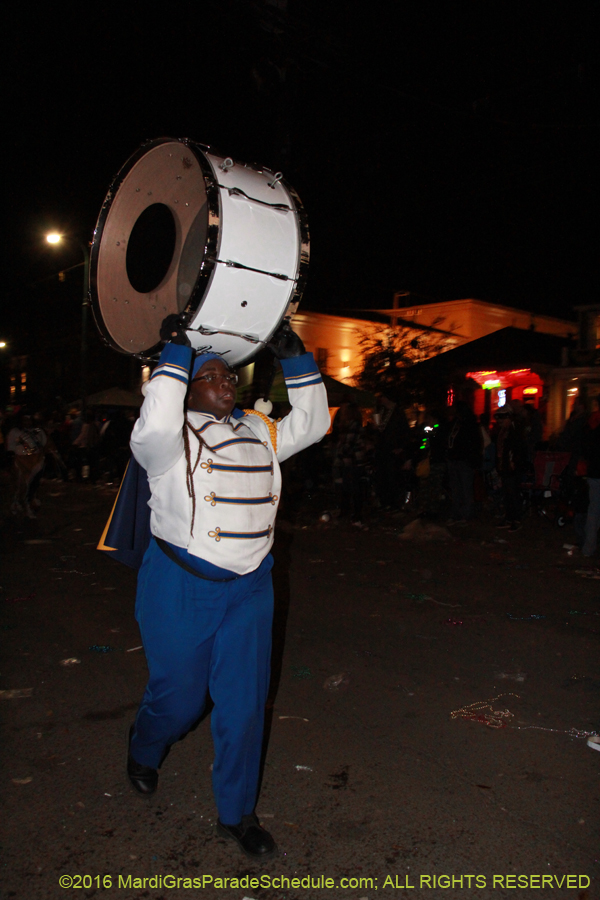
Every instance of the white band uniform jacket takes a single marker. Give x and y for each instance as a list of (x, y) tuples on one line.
[(237, 482)]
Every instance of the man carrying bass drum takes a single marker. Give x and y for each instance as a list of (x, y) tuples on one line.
[(205, 596)]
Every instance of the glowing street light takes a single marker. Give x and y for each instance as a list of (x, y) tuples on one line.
[(54, 237)]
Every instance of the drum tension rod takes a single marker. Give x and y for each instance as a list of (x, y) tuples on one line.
[(238, 192), (252, 339), (236, 265)]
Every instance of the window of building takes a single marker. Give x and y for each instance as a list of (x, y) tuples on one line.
[(322, 356)]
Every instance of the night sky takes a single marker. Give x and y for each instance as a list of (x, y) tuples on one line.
[(447, 149)]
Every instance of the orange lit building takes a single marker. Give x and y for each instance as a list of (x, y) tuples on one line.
[(334, 338), (471, 319)]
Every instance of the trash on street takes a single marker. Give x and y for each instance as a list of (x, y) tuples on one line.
[(16, 694), (336, 682)]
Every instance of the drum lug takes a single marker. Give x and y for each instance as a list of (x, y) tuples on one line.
[(276, 179), (291, 310), (227, 164)]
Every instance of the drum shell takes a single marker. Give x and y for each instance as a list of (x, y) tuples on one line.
[(233, 284)]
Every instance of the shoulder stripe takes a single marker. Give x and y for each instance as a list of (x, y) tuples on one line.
[(175, 366), (304, 375), (159, 373), (305, 384)]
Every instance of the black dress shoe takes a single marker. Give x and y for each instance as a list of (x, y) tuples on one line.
[(143, 778), (253, 840)]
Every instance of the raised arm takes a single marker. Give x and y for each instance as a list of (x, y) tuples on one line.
[(157, 437), (309, 419)]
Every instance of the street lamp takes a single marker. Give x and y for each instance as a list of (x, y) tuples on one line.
[(55, 238)]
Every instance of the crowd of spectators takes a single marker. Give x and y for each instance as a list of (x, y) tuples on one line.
[(448, 465), (61, 446), (455, 467)]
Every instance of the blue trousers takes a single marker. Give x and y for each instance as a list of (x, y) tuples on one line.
[(202, 636)]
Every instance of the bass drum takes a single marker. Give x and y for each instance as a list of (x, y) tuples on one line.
[(186, 230)]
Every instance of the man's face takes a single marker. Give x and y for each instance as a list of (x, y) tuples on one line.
[(215, 396)]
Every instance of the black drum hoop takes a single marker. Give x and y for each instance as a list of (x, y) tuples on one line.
[(304, 249)]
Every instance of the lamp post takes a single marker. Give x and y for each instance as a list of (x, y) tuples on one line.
[(56, 238)]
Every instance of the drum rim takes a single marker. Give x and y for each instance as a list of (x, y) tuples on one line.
[(303, 254), (213, 239)]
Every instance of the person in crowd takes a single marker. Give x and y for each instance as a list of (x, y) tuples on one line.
[(349, 460), (391, 451), (55, 466), (571, 440), (534, 431), (2, 439), (463, 457), (491, 480), (86, 444), (26, 444), (430, 463), (205, 597), (511, 460), (591, 454), (487, 444)]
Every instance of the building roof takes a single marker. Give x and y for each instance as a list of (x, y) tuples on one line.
[(364, 315), (473, 301), (376, 317), (508, 348)]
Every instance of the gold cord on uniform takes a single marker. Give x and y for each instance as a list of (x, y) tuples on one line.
[(189, 471)]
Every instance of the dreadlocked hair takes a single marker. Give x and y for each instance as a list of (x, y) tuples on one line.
[(189, 469)]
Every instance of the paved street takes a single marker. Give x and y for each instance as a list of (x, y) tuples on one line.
[(368, 775)]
